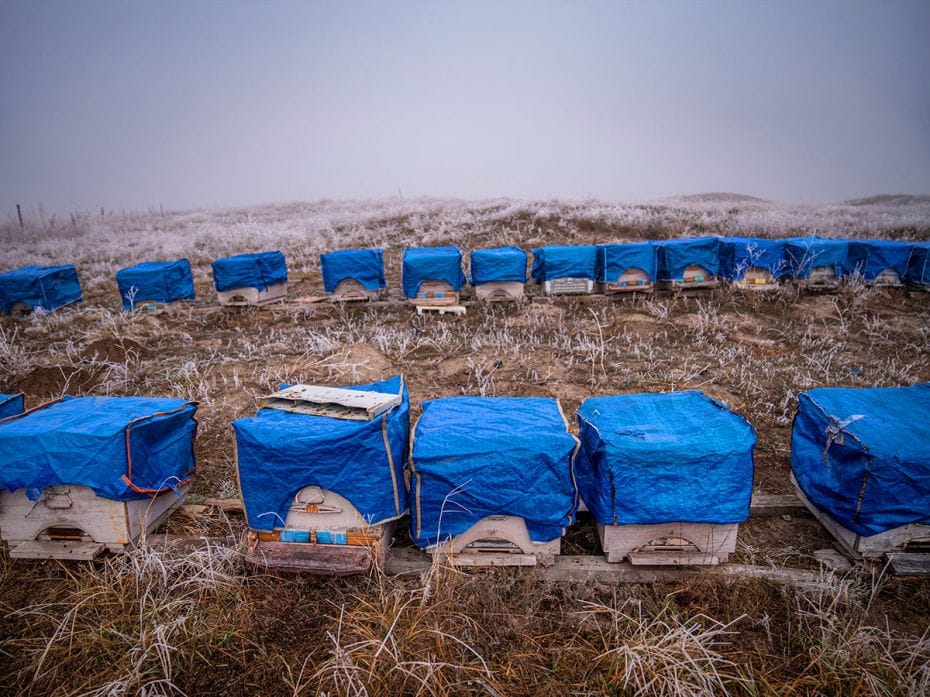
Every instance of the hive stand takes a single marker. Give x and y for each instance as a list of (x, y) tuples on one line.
[(349, 290), (568, 286), (72, 522), (696, 281), (499, 540), (756, 279), (630, 281), (905, 541), (499, 291), (669, 544), (323, 534), (241, 297)]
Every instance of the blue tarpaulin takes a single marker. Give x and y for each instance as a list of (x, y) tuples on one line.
[(615, 259), (11, 405), (39, 287), (249, 271), (664, 458), (803, 254), (500, 264), (677, 255), (871, 257), (862, 456), (363, 265), (432, 264), (577, 261), (83, 441), (739, 254), (280, 453), (480, 456), (155, 281), (918, 269)]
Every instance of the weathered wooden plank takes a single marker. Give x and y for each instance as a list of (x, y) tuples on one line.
[(226, 505), (907, 564), (44, 549), (321, 560), (331, 401), (776, 504)]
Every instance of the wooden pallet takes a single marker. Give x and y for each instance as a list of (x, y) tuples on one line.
[(72, 522), (354, 405), (499, 291), (899, 540), (243, 297), (457, 310), (320, 560), (669, 544), (497, 541)]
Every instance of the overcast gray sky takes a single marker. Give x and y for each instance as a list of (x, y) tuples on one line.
[(190, 104)]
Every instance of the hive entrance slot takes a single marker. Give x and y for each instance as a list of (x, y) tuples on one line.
[(920, 545), (669, 545), (493, 545), (63, 534)]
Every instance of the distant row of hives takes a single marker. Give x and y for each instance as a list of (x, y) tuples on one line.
[(434, 276), (325, 474)]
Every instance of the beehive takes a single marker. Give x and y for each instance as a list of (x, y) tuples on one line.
[(322, 493), (626, 268), (860, 462), (492, 480), (250, 279), (352, 275), (498, 274), (81, 475), (44, 288), (565, 269), (668, 477)]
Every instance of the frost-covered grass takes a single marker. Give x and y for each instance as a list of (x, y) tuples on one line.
[(157, 622)]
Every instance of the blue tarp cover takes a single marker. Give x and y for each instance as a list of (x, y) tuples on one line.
[(802, 254), (576, 261), (739, 254), (615, 259), (363, 265), (11, 404), (480, 456), (249, 271), (677, 255), (500, 264), (155, 281), (918, 269), (39, 287), (664, 458), (871, 257), (432, 264), (862, 456), (82, 441), (281, 452)]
